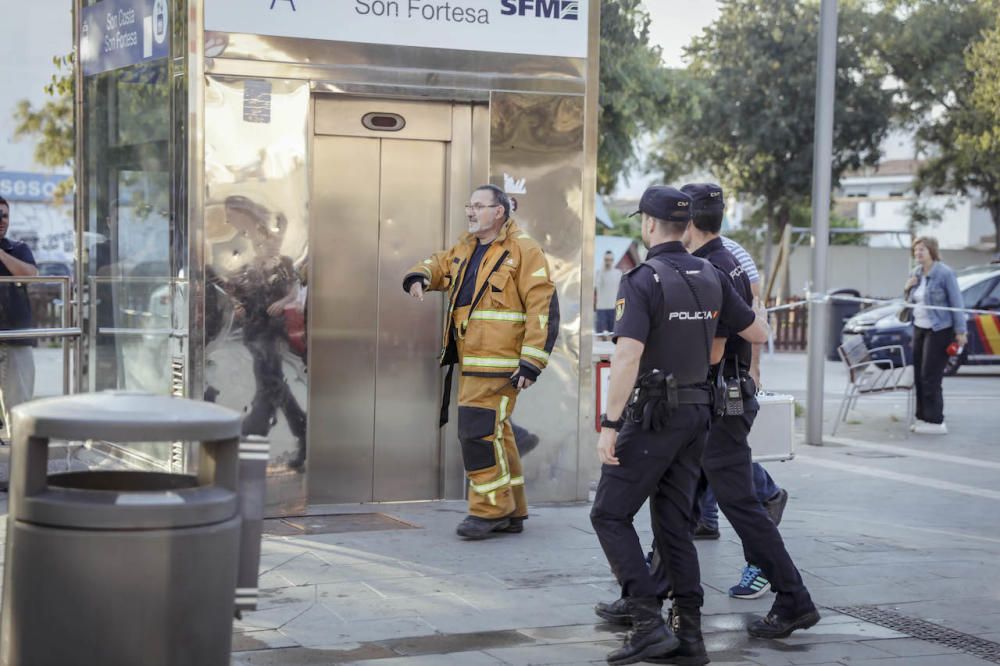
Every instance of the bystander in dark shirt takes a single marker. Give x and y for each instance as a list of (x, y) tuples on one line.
[(15, 308)]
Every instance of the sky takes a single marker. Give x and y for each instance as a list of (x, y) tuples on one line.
[(675, 22)]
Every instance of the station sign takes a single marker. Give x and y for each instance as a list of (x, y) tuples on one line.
[(25, 186), (121, 33), (533, 27)]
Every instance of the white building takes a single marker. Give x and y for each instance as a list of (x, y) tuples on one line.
[(881, 197), (37, 32)]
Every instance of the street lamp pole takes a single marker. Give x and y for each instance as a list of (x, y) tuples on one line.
[(822, 176)]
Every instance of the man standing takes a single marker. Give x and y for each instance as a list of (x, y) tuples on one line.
[(666, 314), (500, 327), (17, 365), (606, 285), (727, 459)]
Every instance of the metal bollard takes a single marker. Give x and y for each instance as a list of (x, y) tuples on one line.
[(254, 453)]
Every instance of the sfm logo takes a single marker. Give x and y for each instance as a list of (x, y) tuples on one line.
[(567, 10)]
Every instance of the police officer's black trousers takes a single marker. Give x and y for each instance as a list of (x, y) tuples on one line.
[(727, 464), (663, 467)]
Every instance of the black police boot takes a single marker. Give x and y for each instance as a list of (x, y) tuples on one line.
[(649, 638), (474, 527), (616, 612), (781, 622), (687, 628)]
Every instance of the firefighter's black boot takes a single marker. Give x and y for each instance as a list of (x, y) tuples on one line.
[(687, 628), (649, 638)]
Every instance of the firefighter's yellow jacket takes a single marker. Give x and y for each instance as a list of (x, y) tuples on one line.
[(514, 317)]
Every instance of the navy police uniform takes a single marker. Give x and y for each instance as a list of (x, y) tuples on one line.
[(671, 303), (727, 459)]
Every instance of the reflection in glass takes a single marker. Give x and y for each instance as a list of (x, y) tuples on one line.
[(254, 362), (539, 138), (265, 292)]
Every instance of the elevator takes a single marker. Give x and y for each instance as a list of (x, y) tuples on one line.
[(287, 163), (383, 174)]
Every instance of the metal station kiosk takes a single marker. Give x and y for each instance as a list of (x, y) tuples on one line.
[(294, 158)]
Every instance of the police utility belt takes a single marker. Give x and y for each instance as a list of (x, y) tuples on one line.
[(657, 396)]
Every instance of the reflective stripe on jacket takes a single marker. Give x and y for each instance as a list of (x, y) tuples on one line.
[(515, 318)]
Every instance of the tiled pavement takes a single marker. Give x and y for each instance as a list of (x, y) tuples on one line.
[(878, 517)]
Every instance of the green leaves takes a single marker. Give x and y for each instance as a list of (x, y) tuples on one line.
[(51, 124), (746, 114), (633, 87), (945, 55)]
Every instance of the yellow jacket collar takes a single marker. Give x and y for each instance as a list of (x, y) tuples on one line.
[(508, 230)]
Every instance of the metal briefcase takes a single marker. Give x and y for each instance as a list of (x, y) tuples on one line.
[(772, 437)]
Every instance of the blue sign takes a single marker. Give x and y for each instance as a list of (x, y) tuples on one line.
[(119, 33), (23, 186)]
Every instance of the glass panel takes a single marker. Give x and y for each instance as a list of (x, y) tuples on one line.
[(256, 263), (134, 291)]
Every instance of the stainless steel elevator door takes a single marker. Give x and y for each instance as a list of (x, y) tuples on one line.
[(378, 206)]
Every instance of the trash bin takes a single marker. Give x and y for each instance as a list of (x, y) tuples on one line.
[(840, 312), (120, 567)]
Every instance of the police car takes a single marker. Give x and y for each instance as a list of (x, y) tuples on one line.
[(980, 286)]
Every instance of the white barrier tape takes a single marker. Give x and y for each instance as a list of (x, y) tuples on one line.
[(826, 298), (901, 304)]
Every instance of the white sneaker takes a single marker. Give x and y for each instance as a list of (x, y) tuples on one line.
[(931, 429), (916, 424)]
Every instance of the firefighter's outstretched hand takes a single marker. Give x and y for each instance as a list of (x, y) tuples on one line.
[(606, 447), (417, 290)]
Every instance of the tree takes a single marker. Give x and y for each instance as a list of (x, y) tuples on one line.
[(745, 109), (52, 124), (633, 88), (946, 56)]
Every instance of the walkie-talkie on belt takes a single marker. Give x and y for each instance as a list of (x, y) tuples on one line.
[(734, 391)]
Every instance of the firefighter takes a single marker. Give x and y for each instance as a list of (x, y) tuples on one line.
[(500, 327)]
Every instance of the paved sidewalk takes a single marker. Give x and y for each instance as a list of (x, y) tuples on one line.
[(877, 518), (899, 529)]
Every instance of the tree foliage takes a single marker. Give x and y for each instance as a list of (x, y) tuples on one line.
[(946, 57), (52, 123), (633, 88), (745, 109)]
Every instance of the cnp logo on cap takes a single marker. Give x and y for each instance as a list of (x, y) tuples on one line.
[(665, 203), (567, 10), (705, 197)]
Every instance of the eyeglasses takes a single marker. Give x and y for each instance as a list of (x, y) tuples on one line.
[(479, 207)]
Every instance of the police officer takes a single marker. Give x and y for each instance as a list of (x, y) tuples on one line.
[(666, 314), (727, 460)]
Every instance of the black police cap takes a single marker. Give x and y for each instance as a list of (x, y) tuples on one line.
[(705, 197), (665, 203)]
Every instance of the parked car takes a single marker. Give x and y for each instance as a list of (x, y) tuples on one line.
[(980, 285)]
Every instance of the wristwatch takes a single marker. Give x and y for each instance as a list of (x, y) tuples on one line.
[(614, 425)]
